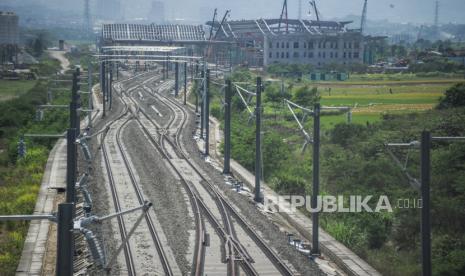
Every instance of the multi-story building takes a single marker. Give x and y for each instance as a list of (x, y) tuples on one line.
[(294, 41), (9, 30)]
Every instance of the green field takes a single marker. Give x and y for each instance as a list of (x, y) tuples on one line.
[(13, 89)]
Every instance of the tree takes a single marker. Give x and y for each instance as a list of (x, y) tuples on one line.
[(454, 97), (306, 96)]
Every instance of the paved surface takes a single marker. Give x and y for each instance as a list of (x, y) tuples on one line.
[(37, 243)]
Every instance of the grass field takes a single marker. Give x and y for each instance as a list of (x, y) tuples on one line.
[(13, 89), (370, 101)]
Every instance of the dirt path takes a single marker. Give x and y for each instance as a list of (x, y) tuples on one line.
[(60, 55)]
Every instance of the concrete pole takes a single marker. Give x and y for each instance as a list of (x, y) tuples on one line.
[(202, 109), (258, 148), (71, 166), (176, 79), (227, 128), (185, 83), (103, 87), (196, 90), (316, 179), (89, 80), (110, 88), (426, 205), (65, 240), (207, 114)]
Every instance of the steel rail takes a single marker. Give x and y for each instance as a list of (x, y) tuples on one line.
[(223, 206)]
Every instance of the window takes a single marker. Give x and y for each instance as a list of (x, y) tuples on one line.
[(310, 45), (356, 55), (270, 55), (310, 55), (282, 54), (336, 55), (277, 54), (356, 45), (305, 45), (324, 45), (296, 54), (319, 45), (282, 44), (350, 45), (270, 45), (319, 54), (287, 54), (331, 55), (350, 54), (324, 54), (277, 44), (336, 45), (287, 45), (345, 55), (345, 45), (296, 45)]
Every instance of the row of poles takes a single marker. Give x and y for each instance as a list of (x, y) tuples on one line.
[(425, 171), (205, 133)]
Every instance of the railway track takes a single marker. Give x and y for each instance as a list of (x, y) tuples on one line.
[(111, 155), (229, 225)]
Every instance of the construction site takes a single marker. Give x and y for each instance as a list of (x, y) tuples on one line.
[(255, 42)]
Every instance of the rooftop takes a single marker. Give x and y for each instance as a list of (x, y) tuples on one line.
[(153, 33)]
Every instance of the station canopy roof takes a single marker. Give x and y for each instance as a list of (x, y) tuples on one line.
[(152, 49), (153, 33)]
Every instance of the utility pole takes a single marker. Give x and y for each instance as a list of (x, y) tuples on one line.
[(202, 109), (103, 86), (426, 205), (65, 240), (110, 88), (316, 179), (207, 114), (91, 104), (185, 83), (176, 79), (227, 128), (197, 89), (258, 150)]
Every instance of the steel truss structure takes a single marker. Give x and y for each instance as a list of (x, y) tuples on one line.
[(152, 33)]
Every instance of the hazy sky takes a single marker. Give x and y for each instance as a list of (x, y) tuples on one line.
[(415, 11)]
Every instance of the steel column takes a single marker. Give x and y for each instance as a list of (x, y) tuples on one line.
[(110, 88), (89, 80), (176, 79), (71, 165), (65, 240), (207, 114), (185, 83), (202, 109), (316, 179), (425, 197), (103, 87), (227, 128), (258, 149)]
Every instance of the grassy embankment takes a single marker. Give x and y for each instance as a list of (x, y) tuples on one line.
[(20, 178), (354, 162)]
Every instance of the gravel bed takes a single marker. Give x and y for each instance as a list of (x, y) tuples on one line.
[(268, 230), (164, 191), (100, 197)]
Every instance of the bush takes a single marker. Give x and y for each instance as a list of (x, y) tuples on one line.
[(454, 97)]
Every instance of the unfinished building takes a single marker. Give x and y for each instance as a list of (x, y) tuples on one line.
[(268, 41)]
